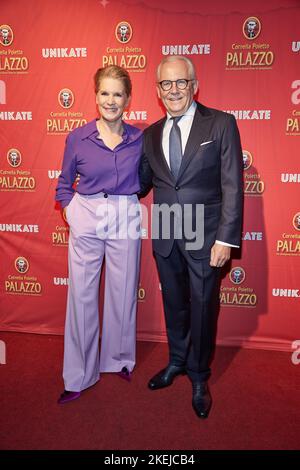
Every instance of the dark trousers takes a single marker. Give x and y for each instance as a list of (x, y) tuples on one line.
[(190, 290)]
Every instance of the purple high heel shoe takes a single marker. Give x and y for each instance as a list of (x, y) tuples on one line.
[(67, 396), (125, 374)]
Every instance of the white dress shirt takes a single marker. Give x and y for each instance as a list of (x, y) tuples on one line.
[(185, 125)]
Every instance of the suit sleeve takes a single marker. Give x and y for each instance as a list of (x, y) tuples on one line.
[(145, 171), (64, 189), (229, 230)]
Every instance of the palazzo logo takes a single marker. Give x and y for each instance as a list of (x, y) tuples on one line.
[(129, 57), (14, 158), (253, 184), (12, 61), (66, 98), (250, 55), (141, 294), (247, 159), (251, 27), (16, 179), (237, 275), (237, 295), (22, 265), (296, 221), (63, 122), (22, 284), (289, 244), (123, 32), (6, 35)]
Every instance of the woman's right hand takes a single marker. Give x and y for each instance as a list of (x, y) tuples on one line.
[(65, 212)]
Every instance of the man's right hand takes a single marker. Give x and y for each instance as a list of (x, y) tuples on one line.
[(220, 254)]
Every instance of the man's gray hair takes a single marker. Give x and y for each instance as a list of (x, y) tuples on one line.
[(175, 58)]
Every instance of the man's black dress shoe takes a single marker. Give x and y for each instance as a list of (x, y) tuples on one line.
[(165, 377), (201, 399)]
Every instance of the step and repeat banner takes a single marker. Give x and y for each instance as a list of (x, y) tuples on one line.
[(247, 58)]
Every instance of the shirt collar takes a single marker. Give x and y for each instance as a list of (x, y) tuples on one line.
[(89, 129), (130, 133), (190, 112)]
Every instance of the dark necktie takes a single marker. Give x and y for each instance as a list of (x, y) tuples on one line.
[(175, 147)]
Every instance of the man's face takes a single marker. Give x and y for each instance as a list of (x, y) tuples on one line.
[(123, 30), (65, 96), (4, 33), (251, 26), (14, 157), (21, 265), (176, 101)]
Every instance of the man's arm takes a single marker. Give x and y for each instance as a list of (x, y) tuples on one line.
[(229, 231), (145, 172), (230, 226)]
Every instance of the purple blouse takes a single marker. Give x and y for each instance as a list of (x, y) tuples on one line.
[(100, 168)]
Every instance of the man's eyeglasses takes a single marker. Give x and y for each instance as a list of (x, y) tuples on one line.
[(181, 84)]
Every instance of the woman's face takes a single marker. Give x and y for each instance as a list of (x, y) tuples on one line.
[(111, 99)]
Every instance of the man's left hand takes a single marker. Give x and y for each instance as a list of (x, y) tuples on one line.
[(219, 255)]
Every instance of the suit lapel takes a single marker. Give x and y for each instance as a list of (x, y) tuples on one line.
[(200, 132)]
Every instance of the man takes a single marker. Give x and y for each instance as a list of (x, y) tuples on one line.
[(192, 157)]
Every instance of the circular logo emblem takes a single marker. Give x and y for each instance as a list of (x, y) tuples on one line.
[(296, 221), (14, 158), (247, 159), (237, 275), (251, 28), (21, 265), (6, 35), (66, 98), (123, 32)]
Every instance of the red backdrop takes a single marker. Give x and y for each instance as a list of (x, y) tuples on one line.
[(51, 47)]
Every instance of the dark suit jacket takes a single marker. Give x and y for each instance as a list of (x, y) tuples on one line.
[(210, 174)]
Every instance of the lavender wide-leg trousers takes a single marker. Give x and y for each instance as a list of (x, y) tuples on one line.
[(99, 226)]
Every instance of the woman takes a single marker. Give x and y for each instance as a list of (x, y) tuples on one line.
[(103, 215)]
